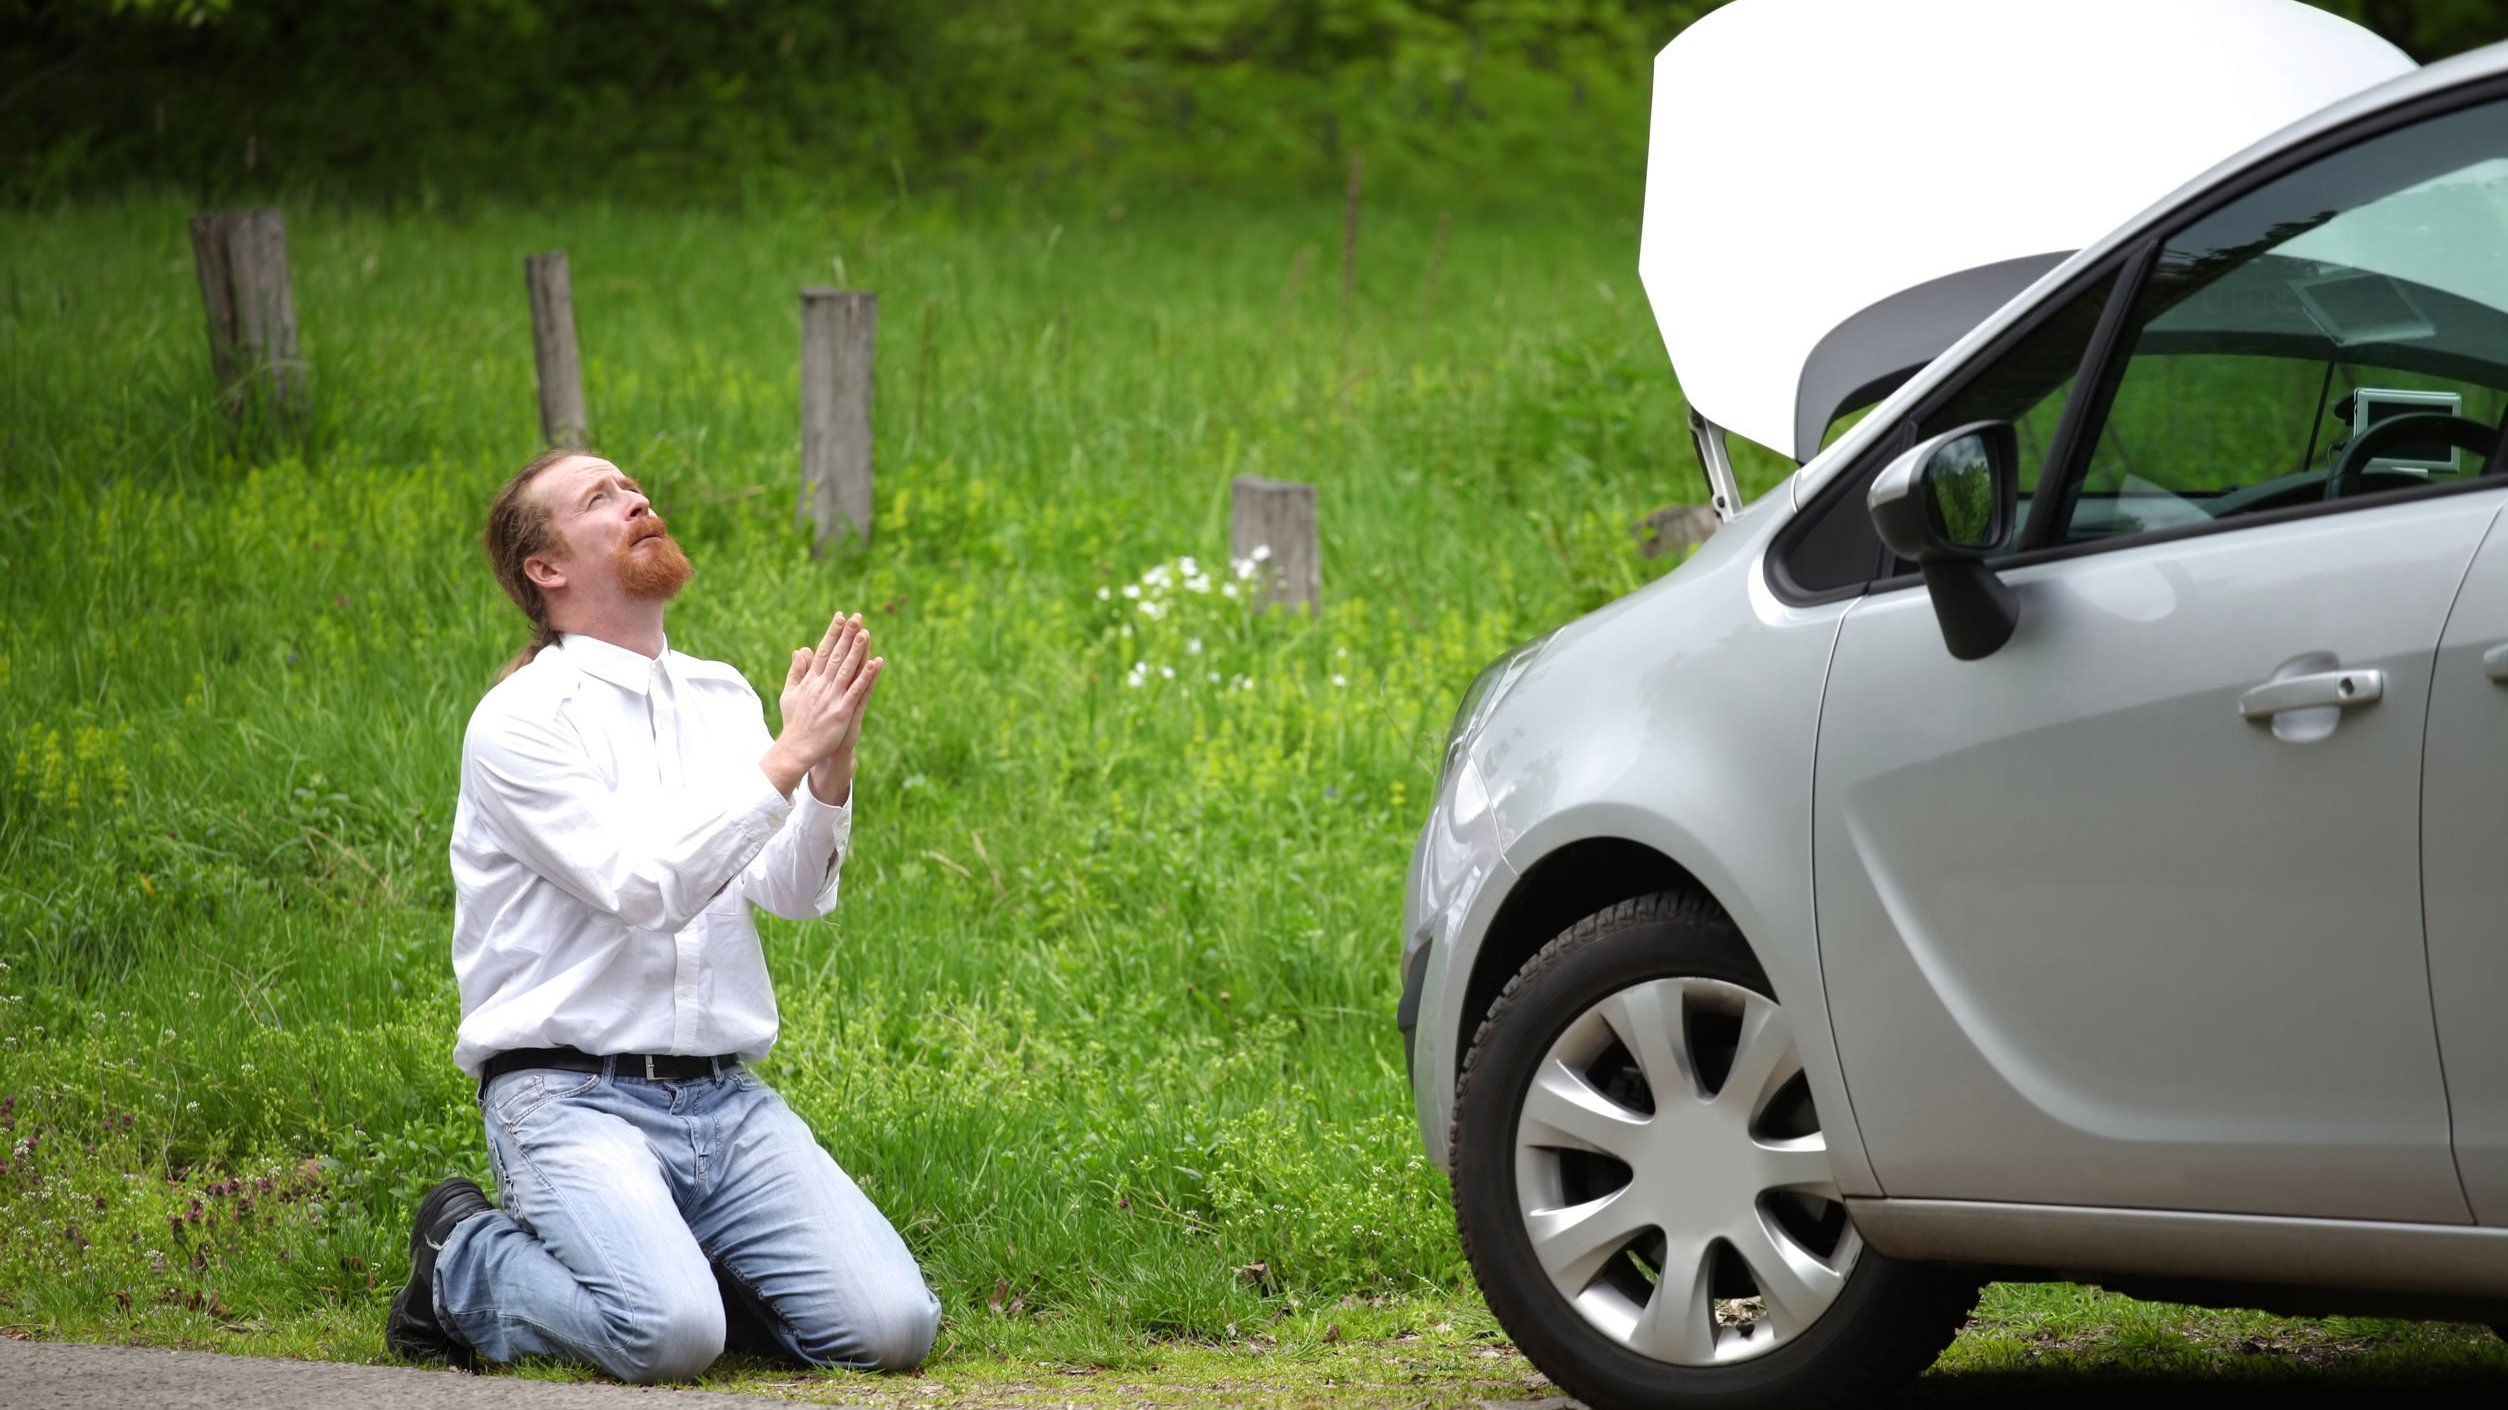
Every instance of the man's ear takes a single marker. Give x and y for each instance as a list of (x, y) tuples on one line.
[(543, 573)]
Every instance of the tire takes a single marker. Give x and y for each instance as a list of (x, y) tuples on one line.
[(1739, 1183)]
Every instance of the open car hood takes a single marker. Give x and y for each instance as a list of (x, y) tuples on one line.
[(1836, 190)]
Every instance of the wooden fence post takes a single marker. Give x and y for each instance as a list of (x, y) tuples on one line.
[(1272, 523), (1436, 266), (1297, 279), (241, 258), (562, 419), (1350, 233), (839, 328)]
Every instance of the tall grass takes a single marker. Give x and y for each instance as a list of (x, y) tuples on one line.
[(1105, 1018)]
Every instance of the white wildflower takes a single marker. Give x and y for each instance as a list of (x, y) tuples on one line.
[(1261, 553), (1228, 589), (1197, 583), (1153, 610), (1339, 679), (1187, 566), (1193, 646), (1105, 593), (1167, 673), (1132, 589)]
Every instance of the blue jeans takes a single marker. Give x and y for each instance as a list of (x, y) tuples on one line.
[(644, 1220)]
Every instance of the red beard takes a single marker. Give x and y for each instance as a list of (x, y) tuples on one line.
[(653, 572)]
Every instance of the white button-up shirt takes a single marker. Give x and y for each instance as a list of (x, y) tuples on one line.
[(613, 830)]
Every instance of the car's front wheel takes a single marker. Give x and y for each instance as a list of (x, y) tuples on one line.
[(1644, 1187)]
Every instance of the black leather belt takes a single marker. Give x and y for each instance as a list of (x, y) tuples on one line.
[(652, 1067)]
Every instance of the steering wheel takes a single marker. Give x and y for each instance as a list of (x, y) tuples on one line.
[(2462, 432)]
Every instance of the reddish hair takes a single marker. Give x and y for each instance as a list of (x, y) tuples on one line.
[(519, 526)]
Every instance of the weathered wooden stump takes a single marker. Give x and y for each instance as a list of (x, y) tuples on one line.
[(241, 258), (839, 329), (562, 419), (1271, 523), (1673, 529)]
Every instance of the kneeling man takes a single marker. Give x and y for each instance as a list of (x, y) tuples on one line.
[(622, 807)]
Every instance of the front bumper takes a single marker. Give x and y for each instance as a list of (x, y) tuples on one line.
[(1457, 855), (1406, 1014)]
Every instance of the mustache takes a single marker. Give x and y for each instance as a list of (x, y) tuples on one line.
[(649, 527)]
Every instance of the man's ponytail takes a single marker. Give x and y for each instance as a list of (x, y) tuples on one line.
[(520, 526)]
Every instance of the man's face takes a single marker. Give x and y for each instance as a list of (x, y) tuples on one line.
[(611, 543)]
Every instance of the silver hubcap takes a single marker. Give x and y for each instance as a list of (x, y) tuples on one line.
[(1673, 1176)]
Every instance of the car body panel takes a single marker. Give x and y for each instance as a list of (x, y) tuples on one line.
[(1747, 280), (2464, 841), (2107, 941), (1623, 727), (2378, 1256)]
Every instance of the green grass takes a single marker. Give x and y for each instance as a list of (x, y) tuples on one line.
[(1106, 1013), (1105, 1018)]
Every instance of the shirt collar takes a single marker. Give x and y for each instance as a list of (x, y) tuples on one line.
[(628, 670)]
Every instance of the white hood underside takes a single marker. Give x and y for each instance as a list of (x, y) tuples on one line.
[(1810, 159)]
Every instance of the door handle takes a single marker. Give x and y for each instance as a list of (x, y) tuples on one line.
[(2315, 691), (2495, 663)]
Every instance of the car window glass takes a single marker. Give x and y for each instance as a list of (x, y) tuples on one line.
[(2028, 387), (2276, 332)]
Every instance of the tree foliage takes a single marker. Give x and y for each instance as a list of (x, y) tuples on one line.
[(2428, 29), (689, 95), (691, 98)]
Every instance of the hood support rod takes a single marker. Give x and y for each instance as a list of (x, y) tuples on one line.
[(1723, 491)]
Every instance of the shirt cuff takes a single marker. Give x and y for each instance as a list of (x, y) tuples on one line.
[(828, 824)]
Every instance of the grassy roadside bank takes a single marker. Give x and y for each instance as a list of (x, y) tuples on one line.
[(1105, 1020)]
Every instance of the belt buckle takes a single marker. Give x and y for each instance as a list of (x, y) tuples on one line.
[(648, 1067)]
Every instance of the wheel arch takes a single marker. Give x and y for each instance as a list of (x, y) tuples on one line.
[(1563, 887)]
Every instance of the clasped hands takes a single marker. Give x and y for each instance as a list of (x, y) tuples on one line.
[(825, 693)]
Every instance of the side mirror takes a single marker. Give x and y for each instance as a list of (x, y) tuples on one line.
[(1945, 505)]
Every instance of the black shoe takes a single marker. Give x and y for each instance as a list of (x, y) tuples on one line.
[(413, 1332)]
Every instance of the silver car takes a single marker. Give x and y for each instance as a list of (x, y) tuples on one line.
[(2060, 832)]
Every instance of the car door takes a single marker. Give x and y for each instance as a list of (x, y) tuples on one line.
[(2464, 829), (2129, 912)]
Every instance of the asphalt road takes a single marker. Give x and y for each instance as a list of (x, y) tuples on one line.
[(40, 1375)]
